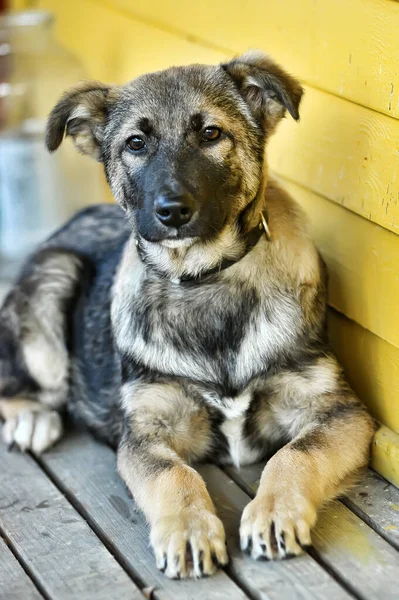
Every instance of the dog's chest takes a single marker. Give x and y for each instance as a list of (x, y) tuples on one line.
[(233, 427), (211, 333)]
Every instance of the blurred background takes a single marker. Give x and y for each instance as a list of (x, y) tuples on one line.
[(341, 162)]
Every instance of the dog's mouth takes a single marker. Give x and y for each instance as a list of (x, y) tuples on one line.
[(171, 238), (178, 242)]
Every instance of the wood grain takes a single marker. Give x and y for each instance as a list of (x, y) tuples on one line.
[(14, 582), (52, 540), (104, 500), (347, 546), (344, 152), (377, 502)]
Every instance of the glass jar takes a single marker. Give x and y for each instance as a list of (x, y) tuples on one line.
[(38, 190)]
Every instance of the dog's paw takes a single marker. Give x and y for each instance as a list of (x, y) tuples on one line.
[(33, 430), (274, 526), (192, 544)]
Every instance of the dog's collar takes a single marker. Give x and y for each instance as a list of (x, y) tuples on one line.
[(251, 238)]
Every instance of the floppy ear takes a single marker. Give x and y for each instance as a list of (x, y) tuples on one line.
[(266, 87), (81, 114)]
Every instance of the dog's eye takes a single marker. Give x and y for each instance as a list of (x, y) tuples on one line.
[(135, 143), (211, 134)]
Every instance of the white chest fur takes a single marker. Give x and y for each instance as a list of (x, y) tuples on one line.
[(234, 411)]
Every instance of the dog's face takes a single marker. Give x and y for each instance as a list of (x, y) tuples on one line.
[(183, 149)]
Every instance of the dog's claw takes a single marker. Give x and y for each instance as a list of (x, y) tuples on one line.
[(199, 543), (276, 532)]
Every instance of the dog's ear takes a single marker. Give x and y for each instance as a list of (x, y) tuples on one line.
[(266, 87), (81, 114)]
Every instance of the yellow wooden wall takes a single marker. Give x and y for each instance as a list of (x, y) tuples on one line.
[(344, 159)]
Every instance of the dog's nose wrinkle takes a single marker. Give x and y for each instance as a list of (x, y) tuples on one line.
[(173, 212)]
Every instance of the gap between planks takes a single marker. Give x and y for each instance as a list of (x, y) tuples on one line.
[(16, 582), (80, 508), (376, 502)]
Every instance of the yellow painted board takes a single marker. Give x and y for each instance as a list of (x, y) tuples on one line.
[(371, 365), (350, 48), (345, 152), (115, 48), (22, 4), (385, 454), (362, 260)]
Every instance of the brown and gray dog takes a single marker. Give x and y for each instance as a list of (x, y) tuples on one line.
[(187, 323)]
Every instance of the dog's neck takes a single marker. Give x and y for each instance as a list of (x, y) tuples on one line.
[(201, 259)]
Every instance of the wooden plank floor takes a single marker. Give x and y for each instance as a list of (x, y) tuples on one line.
[(68, 529)]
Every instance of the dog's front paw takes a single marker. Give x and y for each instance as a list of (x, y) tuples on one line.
[(277, 526), (191, 544), (33, 430)]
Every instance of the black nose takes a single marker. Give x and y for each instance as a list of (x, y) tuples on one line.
[(173, 212)]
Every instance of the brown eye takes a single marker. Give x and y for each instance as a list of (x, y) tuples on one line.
[(211, 134), (135, 143)]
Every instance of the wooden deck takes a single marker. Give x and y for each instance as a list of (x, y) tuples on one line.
[(68, 529)]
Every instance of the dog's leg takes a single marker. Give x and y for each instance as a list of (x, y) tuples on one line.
[(166, 428), (33, 326), (331, 434), (34, 361)]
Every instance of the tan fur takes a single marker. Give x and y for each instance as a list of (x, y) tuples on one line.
[(81, 111), (293, 248), (164, 414), (296, 483), (42, 326), (248, 68), (175, 501), (180, 512)]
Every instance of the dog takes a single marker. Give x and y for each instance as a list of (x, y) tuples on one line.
[(187, 322)]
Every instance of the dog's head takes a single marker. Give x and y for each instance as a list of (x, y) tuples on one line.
[(183, 149)]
